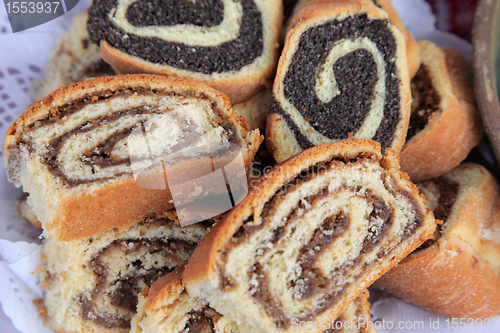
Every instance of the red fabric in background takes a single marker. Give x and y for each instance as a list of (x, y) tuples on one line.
[(456, 16)]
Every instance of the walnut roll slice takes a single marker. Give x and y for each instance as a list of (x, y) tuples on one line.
[(81, 152), (457, 273), (166, 307), (310, 237), (92, 284)]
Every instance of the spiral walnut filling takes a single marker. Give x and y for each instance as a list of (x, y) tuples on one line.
[(201, 321), (198, 36), (92, 143), (345, 223), (95, 282), (342, 81), (122, 291)]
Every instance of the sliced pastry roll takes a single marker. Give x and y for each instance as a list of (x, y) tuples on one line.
[(75, 58), (91, 284), (444, 123), (229, 45), (108, 151), (309, 238), (166, 307), (291, 7), (342, 74), (457, 273)]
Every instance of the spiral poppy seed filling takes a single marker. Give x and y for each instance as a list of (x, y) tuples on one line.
[(332, 233), (108, 156), (171, 12), (343, 78), (427, 101), (357, 315), (224, 56)]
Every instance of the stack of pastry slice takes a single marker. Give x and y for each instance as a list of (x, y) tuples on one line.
[(102, 160)]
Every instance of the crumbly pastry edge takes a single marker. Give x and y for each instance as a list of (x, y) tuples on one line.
[(457, 126), (201, 275)]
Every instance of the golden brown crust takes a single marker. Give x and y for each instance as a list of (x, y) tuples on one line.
[(488, 236), (412, 48), (42, 311), (317, 8), (450, 278), (204, 263), (460, 72), (363, 307), (79, 90), (278, 131), (412, 54), (444, 143), (238, 90), (118, 205), (166, 287), (122, 203), (453, 130), (203, 260), (166, 290), (272, 124)]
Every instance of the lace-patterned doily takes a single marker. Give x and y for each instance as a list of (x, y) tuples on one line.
[(23, 57), (15, 85)]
